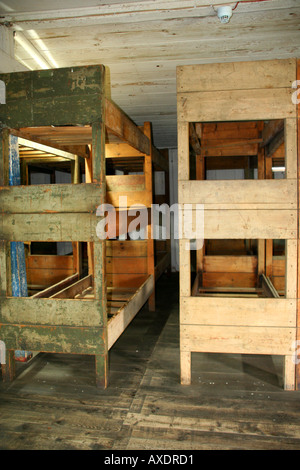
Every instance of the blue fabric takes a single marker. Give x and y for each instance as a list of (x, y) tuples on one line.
[(18, 266)]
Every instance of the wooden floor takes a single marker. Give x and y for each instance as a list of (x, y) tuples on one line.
[(234, 402)]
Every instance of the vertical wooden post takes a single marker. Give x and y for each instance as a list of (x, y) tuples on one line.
[(261, 248), (89, 179), (8, 369), (98, 169), (269, 243), (184, 252), (200, 175), (77, 246), (148, 188), (297, 357), (186, 367)]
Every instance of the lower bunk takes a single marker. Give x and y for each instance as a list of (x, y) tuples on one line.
[(122, 304), (68, 318), (234, 314)]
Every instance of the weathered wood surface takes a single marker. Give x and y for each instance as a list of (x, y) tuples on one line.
[(60, 339), (55, 312), (192, 78), (50, 198), (44, 97), (236, 105), (49, 227), (240, 194), (238, 224), (247, 209), (255, 312), (124, 128), (237, 339), (234, 402), (118, 323), (47, 270)]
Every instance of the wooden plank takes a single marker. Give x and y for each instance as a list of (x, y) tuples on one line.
[(131, 248), (185, 367), (228, 163), (98, 248), (290, 139), (44, 96), (134, 199), (49, 262), (278, 266), (256, 104), (297, 355), (55, 288), (253, 194), (127, 265), (246, 312), (279, 283), (125, 280), (244, 224), (120, 183), (230, 150), (55, 312), (71, 291), (289, 372), (50, 198), (120, 124), (230, 264), (291, 269), (115, 150), (185, 268), (118, 323), (49, 227), (237, 339), (57, 339), (29, 144), (221, 279), (46, 277), (183, 150), (236, 76)]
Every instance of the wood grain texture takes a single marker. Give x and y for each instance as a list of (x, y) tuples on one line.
[(35, 92)]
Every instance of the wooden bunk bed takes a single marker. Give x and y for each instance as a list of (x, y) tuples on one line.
[(64, 121), (238, 293)]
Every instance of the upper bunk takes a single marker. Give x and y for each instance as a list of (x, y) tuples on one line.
[(65, 120)]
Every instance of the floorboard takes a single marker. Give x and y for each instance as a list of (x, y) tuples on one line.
[(234, 402)]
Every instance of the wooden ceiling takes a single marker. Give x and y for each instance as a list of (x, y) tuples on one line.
[(142, 42)]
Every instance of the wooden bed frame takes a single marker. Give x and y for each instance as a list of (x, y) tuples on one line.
[(64, 117), (245, 300)]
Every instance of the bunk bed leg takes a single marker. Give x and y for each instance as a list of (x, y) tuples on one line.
[(8, 369), (289, 373), (185, 359), (101, 363)]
